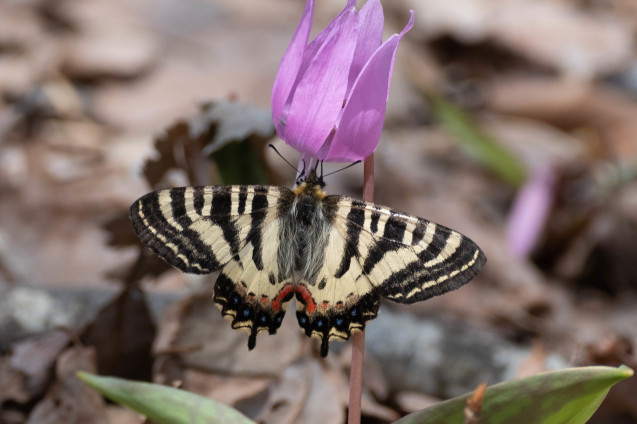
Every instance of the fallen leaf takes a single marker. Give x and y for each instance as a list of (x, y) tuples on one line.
[(410, 401), (306, 392), (122, 334), (35, 357), (69, 400), (225, 350)]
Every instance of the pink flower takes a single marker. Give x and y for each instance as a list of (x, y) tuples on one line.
[(530, 211), (330, 95)]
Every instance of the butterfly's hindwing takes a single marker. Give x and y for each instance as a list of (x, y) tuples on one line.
[(254, 289), (334, 297)]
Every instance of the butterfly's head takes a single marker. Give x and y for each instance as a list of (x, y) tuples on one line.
[(311, 185)]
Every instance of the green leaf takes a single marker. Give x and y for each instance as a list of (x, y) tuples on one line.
[(478, 144), (568, 396), (238, 162), (163, 404)]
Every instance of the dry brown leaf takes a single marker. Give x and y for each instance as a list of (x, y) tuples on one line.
[(225, 350), (13, 384), (101, 51), (228, 390), (122, 334), (306, 392), (612, 350), (550, 33), (116, 414), (410, 401), (572, 104), (35, 357), (69, 400), (535, 363)]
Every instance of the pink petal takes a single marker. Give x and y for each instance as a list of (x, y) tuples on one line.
[(290, 63), (361, 123), (529, 212), (370, 37), (319, 96), (318, 41), (310, 50)]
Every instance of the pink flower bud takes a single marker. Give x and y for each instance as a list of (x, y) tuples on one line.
[(330, 95)]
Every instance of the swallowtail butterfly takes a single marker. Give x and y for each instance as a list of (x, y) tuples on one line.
[(336, 255)]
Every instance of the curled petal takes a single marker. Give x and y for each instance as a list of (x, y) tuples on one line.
[(370, 37), (291, 63), (318, 97), (361, 122), (320, 38)]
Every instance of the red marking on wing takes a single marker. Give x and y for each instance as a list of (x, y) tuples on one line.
[(264, 298), (307, 299), (276, 302), (325, 303)]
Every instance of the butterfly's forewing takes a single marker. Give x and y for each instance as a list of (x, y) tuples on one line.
[(234, 229), (375, 251), (410, 259)]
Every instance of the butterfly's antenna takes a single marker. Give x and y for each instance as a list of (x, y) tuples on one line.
[(342, 169), (284, 159)]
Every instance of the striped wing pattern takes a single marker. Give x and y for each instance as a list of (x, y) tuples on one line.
[(374, 252), (228, 228), (409, 259), (349, 253)]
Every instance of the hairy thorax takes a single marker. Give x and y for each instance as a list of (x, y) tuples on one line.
[(305, 233)]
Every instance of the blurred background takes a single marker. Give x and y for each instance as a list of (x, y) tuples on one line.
[(511, 121)]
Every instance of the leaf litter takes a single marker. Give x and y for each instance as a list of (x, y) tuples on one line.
[(83, 101)]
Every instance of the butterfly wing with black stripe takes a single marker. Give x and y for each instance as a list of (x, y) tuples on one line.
[(373, 252), (205, 229)]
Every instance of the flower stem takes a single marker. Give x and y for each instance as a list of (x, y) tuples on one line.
[(358, 339)]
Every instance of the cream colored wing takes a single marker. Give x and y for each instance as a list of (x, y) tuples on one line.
[(200, 229), (232, 228), (254, 294), (374, 251)]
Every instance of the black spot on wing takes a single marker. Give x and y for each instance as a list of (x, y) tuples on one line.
[(419, 233), (221, 204), (322, 284), (243, 197), (178, 205), (356, 216), (437, 244), (373, 226), (259, 208), (394, 229), (199, 199), (392, 238), (220, 215)]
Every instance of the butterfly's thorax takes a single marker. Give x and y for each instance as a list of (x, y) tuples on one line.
[(305, 231)]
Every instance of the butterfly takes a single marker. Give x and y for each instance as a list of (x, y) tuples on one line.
[(337, 256)]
